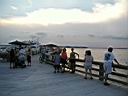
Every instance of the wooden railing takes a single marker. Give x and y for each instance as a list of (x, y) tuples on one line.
[(100, 73)]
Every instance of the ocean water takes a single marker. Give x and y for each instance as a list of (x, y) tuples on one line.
[(98, 54)]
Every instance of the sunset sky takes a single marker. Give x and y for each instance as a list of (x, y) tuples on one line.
[(65, 22)]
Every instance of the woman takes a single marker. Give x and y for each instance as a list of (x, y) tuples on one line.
[(88, 63), (63, 59)]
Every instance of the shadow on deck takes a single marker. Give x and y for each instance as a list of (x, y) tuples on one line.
[(39, 80)]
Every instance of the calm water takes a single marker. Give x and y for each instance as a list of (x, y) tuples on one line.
[(98, 54)]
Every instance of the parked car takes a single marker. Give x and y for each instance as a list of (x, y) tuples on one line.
[(3, 49), (35, 49)]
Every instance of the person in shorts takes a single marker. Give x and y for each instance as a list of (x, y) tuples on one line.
[(88, 63)]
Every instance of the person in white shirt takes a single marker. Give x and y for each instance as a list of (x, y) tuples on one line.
[(108, 60), (22, 54)]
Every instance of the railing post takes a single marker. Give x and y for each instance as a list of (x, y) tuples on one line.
[(101, 72), (127, 74)]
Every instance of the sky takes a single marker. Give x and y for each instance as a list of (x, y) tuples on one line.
[(92, 23)]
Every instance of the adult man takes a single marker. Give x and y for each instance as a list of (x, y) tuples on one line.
[(72, 59)]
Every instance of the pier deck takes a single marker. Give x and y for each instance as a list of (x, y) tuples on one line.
[(39, 80)]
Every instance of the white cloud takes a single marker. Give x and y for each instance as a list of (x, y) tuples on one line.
[(14, 8), (101, 13), (29, 2)]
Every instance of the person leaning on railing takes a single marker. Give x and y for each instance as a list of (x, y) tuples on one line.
[(88, 59), (72, 60), (108, 61), (63, 59)]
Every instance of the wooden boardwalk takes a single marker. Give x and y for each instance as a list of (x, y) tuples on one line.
[(39, 80)]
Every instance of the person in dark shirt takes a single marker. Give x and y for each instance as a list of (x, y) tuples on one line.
[(72, 60), (12, 59)]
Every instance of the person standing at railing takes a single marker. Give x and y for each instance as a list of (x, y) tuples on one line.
[(56, 63), (63, 59), (108, 60), (88, 63), (72, 60)]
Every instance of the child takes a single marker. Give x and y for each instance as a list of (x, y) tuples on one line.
[(56, 62), (88, 63)]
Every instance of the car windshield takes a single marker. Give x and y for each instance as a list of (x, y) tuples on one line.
[(33, 47)]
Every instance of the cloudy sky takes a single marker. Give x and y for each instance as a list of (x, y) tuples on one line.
[(95, 23)]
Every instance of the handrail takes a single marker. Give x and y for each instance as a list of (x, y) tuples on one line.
[(98, 63), (101, 72)]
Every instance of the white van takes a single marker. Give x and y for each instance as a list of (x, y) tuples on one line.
[(35, 49)]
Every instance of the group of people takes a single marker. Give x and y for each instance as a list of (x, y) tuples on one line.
[(61, 61), (61, 58), (18, 57)]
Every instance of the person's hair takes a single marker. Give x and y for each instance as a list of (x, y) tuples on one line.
[(64, 49), (88, 52), (110, 49), (72, 49)]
